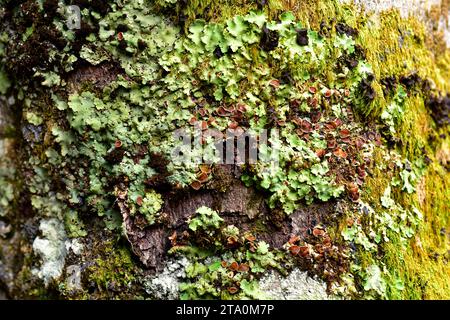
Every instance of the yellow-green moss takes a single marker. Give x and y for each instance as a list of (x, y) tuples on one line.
[(114, 267), (394, 47), (422, 266)]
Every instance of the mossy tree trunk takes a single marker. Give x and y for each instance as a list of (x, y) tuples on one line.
[(93, 204)]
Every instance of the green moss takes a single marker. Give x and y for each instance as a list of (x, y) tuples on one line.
[(423, 266), (407, 265), (224, 54), (114, 270)]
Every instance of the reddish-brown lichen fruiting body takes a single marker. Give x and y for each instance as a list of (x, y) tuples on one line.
[(193, 121), (250, 238), (205, 168), (221, 111), (243, 267), (344, 133), (320, 153), (173, 238), (318, 232), (353, 191), (304, 251), (242, 107), (331, 143), (202, 177), (294, 250), (306, 126), (232, 290), (338, 152), (312, 90), (274, 83), (315, 116), (196, 185), (294, 239), (234, 266), (231, 241)]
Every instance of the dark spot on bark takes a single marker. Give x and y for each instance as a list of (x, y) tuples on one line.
[(324, 29), (389, 84), (86, 29), (30, 229), (366, 88), (411, 81), (426, 86), (29, 13), (159, 181), (182, 18), (351, 61), (122, 28), (26, 57), (218, 52), (142, 45), (302, 37), (50, 7), (440, 108), (343, 28), (99, 6), (164, 73), (286, 77), (123, 48), (269, 39), (261, 4), (115, 156)]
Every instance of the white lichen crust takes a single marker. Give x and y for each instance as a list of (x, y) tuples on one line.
[(165, 285), (52, 250), (296, 286)]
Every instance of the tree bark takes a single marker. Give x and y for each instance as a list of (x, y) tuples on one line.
[(52, 223)]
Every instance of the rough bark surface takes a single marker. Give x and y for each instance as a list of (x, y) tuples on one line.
[(106, 274)]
